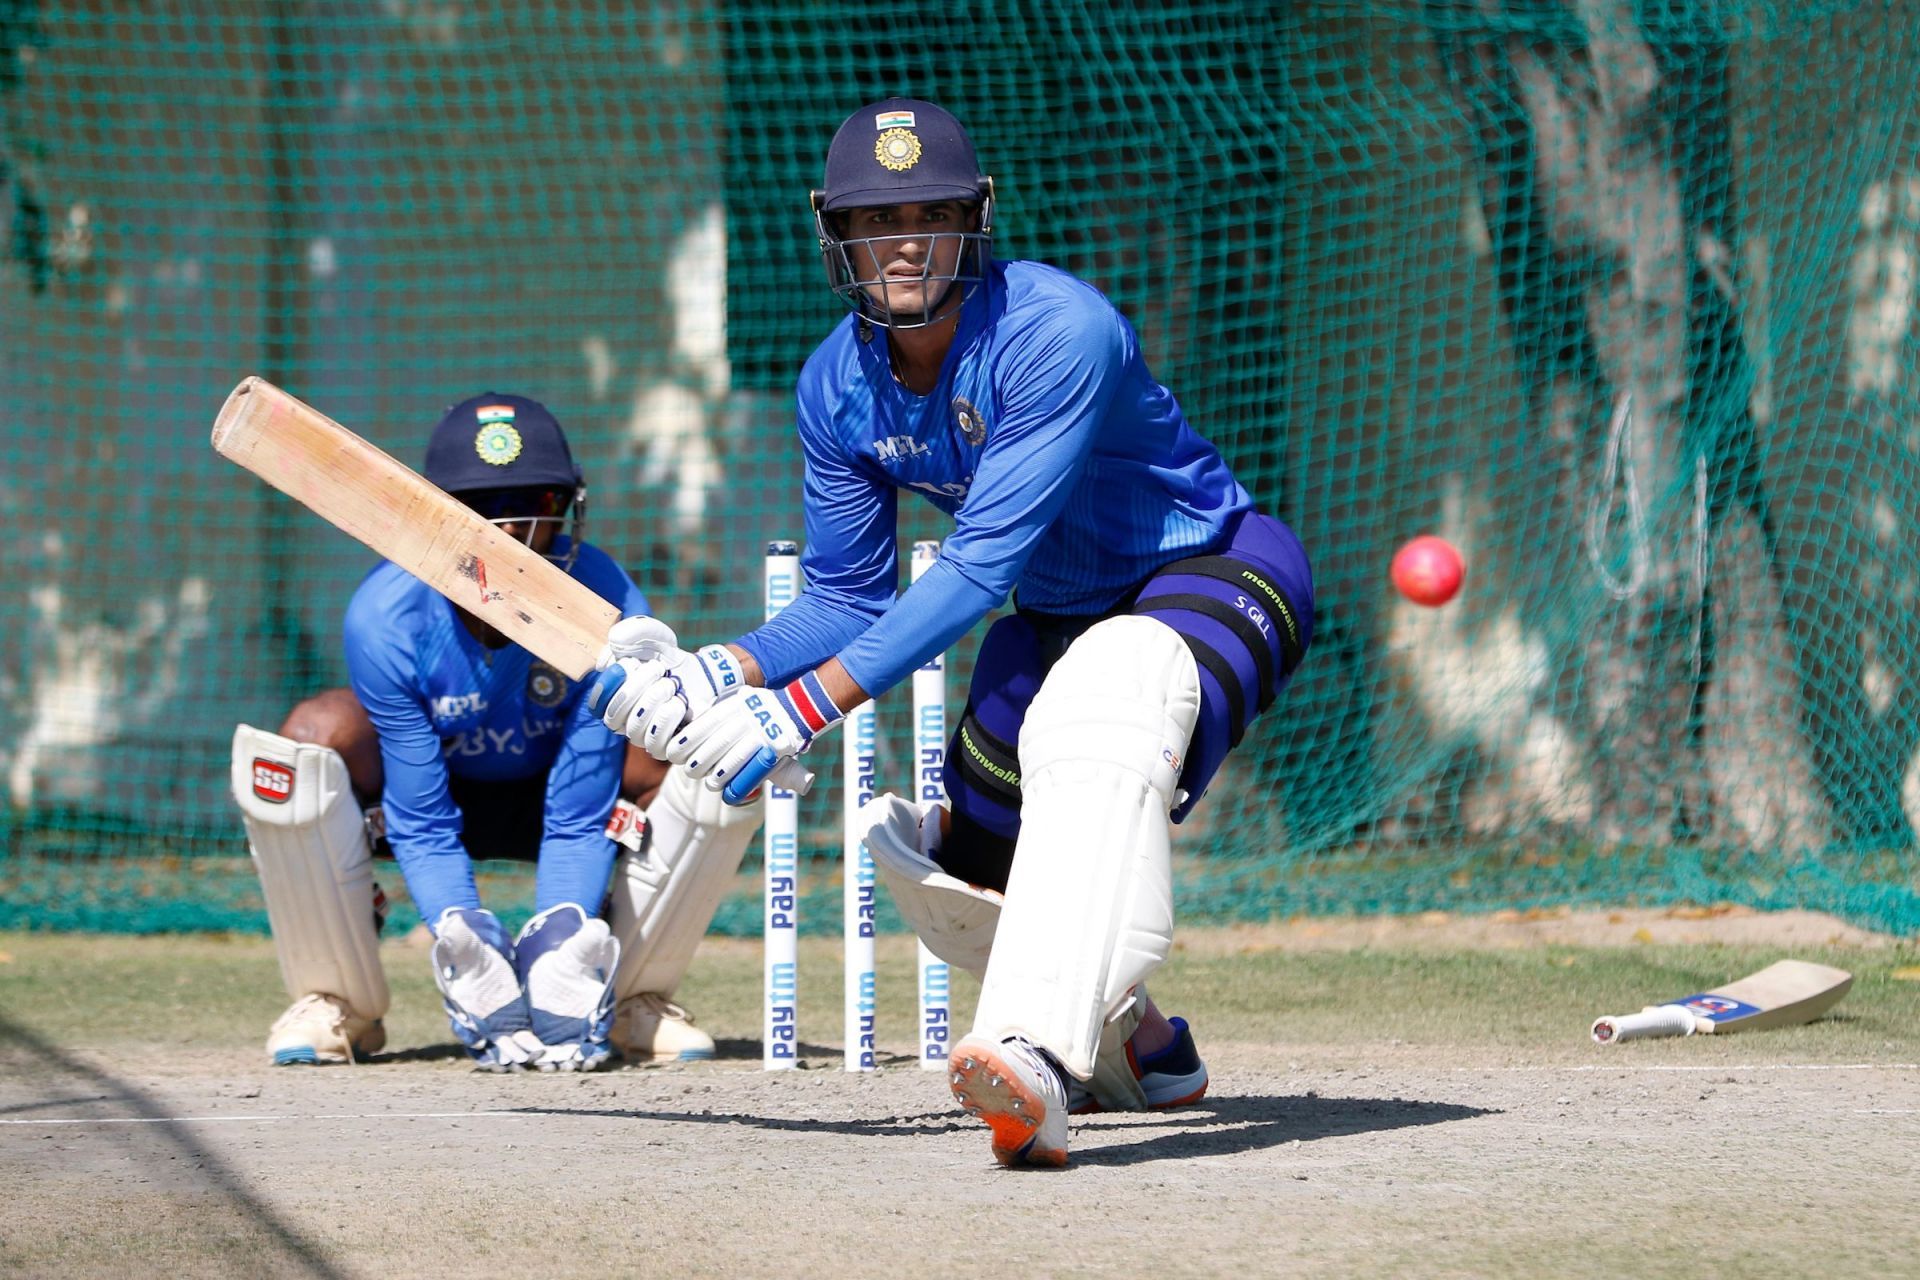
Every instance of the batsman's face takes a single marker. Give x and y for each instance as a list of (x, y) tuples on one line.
[(910, 252)]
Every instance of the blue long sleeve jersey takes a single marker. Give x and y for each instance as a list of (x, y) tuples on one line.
[(444, 705), (1070, 472)]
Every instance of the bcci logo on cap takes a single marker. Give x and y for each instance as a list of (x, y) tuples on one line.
[(498, 442)]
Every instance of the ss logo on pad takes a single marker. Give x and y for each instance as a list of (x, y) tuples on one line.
[(272, 781)]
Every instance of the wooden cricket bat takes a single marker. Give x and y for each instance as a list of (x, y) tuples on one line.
[(1781, 995), (397, 512)]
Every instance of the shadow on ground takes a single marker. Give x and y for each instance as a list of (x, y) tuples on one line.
[(1211, 1127), (164, 1146)]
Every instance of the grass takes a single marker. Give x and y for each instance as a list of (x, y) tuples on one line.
[(114, 992)]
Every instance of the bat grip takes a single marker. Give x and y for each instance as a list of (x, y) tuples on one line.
[(1659, 1020), (766, 765), (605, 684)]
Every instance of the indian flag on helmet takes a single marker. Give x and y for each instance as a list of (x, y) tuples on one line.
[(893, 120)]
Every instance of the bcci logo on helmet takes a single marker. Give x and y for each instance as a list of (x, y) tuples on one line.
[(497, 443), (897, 149)]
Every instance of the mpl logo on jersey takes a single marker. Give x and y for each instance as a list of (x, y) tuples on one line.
[(899, 449), (272, 781)]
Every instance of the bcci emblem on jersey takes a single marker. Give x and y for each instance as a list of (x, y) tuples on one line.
[(546, 687), (973, 427)]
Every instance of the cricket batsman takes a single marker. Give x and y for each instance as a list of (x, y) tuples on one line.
[(1156, 613), (473, 748)]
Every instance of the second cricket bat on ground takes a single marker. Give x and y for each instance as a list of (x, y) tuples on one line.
[(1780, 995)]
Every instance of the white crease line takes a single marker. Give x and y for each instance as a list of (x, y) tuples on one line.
[(1888, 1111), (1725, 1066), (270, 1119)]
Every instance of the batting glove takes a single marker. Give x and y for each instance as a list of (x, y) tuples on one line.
[(649, 688), (735, 746)]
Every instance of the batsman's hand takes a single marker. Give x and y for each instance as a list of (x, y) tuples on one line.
[(741, 741), (649, 688), (639, 637)]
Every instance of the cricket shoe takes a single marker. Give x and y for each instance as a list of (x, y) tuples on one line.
[(648, 1027), (1018, 1092), (320, 1028), (1171, 1076), (565, 959), (473, 967)]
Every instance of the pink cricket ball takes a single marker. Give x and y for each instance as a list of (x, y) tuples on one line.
[(1428, 570)]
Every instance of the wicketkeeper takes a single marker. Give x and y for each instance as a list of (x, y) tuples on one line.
[(473, 748)]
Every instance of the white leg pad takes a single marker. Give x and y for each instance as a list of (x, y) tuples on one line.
[(955, 919), (1089, 902), (664, 897), (309, 845), (958, 920), (1112, 1080)]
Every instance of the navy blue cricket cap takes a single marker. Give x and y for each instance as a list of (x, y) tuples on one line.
[(900, 151), (498, 441)]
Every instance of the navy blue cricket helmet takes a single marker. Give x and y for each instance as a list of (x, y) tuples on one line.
[(894, 152)]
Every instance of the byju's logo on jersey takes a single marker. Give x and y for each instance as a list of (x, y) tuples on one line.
[(899, 449), (272, 781), (973, 427)]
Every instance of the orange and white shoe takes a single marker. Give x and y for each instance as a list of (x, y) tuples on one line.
[(1020, 1095)]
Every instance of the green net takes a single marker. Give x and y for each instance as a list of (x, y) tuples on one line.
[(1618, 299)]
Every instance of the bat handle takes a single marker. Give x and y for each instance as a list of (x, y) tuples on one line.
[(766, 766), (605, 684), (1659, 1020)]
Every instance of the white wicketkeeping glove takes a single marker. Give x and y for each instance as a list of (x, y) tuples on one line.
[(649, 688)]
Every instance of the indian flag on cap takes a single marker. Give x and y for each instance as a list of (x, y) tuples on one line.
[(494, 413), (893, 120)]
